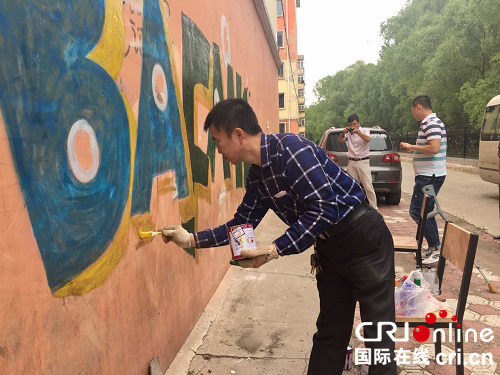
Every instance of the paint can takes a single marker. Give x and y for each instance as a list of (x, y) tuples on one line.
[(241, 237), (348, 359)]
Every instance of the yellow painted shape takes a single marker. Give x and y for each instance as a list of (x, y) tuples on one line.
[(142, 222), (203, 95), (110, 49), (94, 275), (228, 183), (165, 186), (202, 192)]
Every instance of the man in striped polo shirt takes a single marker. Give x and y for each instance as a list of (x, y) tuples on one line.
[(429, 163)]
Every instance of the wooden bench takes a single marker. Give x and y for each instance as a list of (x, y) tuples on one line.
[(414, 244)]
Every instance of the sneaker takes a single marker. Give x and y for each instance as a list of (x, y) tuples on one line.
[(433, 258), (426, 251)]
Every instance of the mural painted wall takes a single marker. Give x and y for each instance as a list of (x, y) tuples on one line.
[(102, 106)]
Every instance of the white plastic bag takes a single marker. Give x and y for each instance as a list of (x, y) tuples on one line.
[(417, 300)]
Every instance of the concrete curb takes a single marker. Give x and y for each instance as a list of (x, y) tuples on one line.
[(182, 361)]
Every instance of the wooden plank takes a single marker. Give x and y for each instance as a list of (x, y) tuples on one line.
[(455, 245), (418, 319), (404, 243)]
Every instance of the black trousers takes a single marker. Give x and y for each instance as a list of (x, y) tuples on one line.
[(356, 265)]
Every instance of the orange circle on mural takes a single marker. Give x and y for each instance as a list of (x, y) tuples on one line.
[(160, 91), (82, 150), (159, 86)]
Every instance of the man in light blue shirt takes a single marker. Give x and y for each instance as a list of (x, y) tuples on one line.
[(429, 163)]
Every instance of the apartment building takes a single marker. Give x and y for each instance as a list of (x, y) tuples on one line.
[(300, 94), (288, 74)]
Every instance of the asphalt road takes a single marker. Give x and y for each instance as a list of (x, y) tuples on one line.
[(466, 196)]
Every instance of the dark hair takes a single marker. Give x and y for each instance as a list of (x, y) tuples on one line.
[(352, 117), (230, 114), (423, 100)]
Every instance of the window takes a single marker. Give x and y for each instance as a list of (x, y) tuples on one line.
[(301, 93), (280, 71), (281, 100), (380, 141), (301, 63), (301, 107), (279, 39), (282, 127), (279, 8), (333, 143), (491, 123), (301, 79), (302, 121)]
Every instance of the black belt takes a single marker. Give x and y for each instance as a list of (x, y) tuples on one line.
[(358, 159), (346, 221)]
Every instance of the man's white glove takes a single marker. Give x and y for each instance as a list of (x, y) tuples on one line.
[(256, 258), (178, 235)]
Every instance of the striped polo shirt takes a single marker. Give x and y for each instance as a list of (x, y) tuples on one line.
[(431, 127)]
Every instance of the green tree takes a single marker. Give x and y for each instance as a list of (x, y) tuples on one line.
[(476, 94), (448, 49)]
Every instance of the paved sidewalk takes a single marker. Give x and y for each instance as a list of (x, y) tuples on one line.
[(262, 321)]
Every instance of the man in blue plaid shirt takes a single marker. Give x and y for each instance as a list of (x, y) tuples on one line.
[(322, 205)]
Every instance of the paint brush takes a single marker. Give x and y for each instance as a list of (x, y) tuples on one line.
[(148, 234)]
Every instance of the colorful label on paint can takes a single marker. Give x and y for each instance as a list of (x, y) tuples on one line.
[(241, 237), (348, 359)]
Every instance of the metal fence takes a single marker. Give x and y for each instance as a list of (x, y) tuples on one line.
[(462, 143)]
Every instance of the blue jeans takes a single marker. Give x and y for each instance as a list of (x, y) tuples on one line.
[(431, 230)]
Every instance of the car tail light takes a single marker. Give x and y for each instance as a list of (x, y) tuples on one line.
[(333, 157), (392, 158)]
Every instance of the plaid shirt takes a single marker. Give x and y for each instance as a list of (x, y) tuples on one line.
[(298, 181)]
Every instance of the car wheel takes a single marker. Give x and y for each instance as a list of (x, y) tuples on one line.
[(393, 198)]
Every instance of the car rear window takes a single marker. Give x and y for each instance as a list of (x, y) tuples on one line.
[(380, 142), (334, 145)]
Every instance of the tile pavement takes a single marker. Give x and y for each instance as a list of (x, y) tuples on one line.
[(274, 335), (482, 309)]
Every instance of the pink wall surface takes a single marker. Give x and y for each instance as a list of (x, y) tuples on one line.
[(102, 105)]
